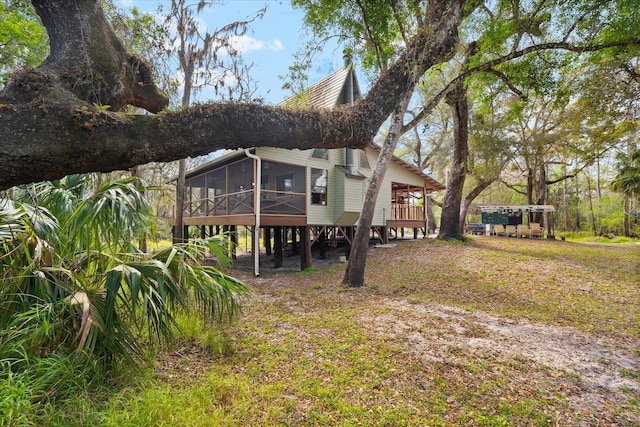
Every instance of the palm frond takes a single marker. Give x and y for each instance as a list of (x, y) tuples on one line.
[(111, 217), (73, 281)]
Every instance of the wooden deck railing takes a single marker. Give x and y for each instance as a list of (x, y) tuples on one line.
[(407, 212), (284, 203), (273, 202)]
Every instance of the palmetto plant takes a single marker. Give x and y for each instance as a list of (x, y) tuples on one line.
[(73, 283), (627, 181)]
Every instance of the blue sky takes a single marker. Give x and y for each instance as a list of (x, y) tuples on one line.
[(269, 45)]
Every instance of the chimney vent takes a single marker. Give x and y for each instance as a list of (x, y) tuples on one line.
[(346, 55)]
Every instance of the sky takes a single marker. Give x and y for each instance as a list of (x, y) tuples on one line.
[(270, 43)]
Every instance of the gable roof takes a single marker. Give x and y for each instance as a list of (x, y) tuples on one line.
[(328, 92)]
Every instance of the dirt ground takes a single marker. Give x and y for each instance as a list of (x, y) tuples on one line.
[(599, 362), (595, 361)]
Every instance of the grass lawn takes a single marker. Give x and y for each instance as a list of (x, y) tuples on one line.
[(494, 332)]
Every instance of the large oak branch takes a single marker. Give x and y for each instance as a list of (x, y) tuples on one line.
[(50, 125), (50, 141)]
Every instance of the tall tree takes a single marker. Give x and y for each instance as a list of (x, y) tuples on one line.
[(354, 273), (507, 31), (456, 98), (375, 28)]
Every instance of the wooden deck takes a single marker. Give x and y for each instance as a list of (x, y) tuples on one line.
[(404, 215), (276, 209)]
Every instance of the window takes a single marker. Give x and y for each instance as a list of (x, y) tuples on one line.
[(364, 161), (284, 183), (319, 186), (240, 176), (320, 153)]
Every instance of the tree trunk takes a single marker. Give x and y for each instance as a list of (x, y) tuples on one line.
[(626, 223), (142, 243), (88, 60), (530, 184), (598, 185), (178, 233), (594, 227), (565, 199), (541, 195), (354, 273), (431, 217), (187, 57), (305, 248), (578, 224), (449, 222), (469, 198)]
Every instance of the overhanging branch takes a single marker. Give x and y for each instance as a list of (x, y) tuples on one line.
[(489, 65), (52, 123)]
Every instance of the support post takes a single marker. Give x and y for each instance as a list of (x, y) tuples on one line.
[(347, 241), (234, 240), (277, 247), (322, 241), (255, 239), (267, 240), (294, 241), (305, 248)]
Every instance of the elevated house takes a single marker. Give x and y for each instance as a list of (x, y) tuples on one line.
[(305, 198)]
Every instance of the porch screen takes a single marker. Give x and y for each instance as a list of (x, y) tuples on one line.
[(240, 187), (216, 190)]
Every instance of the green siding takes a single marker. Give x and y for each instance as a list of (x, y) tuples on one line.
[(339, 193), (344, 194)]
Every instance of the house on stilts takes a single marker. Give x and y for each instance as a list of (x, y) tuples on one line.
[(305, 199)]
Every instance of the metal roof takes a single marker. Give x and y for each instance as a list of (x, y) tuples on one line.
[(432, 184), (511, 208), (327, 93)]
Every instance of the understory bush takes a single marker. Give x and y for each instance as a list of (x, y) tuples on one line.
[(78, 299)]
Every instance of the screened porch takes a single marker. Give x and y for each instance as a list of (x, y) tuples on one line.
[(229, 190)]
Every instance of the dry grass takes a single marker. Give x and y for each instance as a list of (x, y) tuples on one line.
[(495, 332)]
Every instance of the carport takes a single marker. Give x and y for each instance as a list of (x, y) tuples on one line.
[(511, 215)]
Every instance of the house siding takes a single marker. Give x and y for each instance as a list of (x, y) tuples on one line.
[(394, 173), (316, 214), (344, 193), (224, 194), (383, 202), (354, 190)]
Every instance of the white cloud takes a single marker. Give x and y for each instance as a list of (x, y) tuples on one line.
[(276, 45), (246, 44)]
